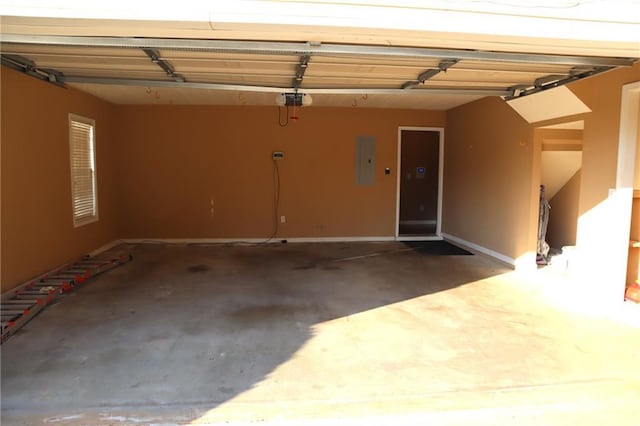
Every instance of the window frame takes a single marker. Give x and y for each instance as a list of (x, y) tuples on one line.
[(83, 220)]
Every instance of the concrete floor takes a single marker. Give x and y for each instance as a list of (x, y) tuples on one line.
[(366, 333)]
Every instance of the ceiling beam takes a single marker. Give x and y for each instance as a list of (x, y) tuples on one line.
[(300, 49)]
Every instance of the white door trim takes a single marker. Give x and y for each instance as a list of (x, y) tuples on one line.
[(628, 135), (627, 146), (438, 235)]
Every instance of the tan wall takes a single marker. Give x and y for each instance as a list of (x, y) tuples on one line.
[(603, 219), (492, 167), (488, 170), (563, 217), (37, 225), (160, 167), (603, 94), (175, 159)]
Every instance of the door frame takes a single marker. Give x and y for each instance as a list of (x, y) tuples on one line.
[(625, 180), (438, 235)]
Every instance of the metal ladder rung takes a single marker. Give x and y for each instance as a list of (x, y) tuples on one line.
[(49, 287), (23, 295), (91, 264), (51, 283), (16, 307), (20, 302), (23, 303), (10, 316), (15, 312)]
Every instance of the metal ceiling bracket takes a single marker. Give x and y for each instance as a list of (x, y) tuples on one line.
[(20, 61), (516, 91), (430, 73), (55, 76), (553, 80), (293, 48), (549, 79), (166, 66), (300, 70), (27, 66)]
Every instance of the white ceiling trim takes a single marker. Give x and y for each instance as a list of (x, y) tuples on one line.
[(560, 19), (284, 48)]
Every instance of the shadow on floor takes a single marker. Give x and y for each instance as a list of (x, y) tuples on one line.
[(417, 230), (199, 325)]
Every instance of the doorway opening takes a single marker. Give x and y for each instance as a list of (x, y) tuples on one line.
[(419, 200), (561, 167)]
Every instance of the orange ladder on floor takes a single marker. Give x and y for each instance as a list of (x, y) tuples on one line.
[(24, 302)]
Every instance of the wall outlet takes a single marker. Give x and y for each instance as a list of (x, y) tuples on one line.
[(283, 219), (277, 155)]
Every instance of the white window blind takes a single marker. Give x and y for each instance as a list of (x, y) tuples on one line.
[(83, 169)]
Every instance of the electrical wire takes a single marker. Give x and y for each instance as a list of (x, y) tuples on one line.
[(280, 123), (276, 202)]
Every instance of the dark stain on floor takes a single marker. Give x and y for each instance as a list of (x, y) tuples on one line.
[(198, 268), (310, 265), (265, 313)]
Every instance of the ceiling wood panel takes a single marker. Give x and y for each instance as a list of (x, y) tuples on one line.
[(247, 65), (164, 95)]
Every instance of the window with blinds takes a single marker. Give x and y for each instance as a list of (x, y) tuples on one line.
[(83, 169)]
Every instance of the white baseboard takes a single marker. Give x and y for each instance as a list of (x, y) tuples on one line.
[(501, 257), (194, 240), (335, 239), (253, 240), (419, 222), (419, 238), (105, 247)]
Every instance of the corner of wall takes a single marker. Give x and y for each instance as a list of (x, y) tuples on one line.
[(37, 226), (489, 178)]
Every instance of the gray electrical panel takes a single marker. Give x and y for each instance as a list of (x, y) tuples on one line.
[(365, 160)]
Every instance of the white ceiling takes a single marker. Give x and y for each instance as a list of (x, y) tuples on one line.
[(213, 76)]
